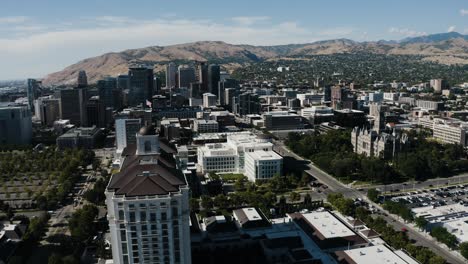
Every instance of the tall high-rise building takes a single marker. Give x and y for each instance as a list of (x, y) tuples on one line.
[(229, 94), (15, 125), (202, 76), (32, 92), (105, 91), (213, 78), (47, 110), (378, 112), (73, 105), (246, 103), (186, 76), (140, 85), (222, 86), (82, 79), (171, 72), (125, 132), (96, 112), (157, 85), (122, 82), (438, 85), (148, 207), (209, 100)]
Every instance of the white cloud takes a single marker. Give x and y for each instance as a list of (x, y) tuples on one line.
[(13, 20), (464, 12), (406, 32), (250, 20), (451, 29), (36, 50)]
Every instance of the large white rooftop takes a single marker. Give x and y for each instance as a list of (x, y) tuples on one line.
[(264, 155), (251, 214), (378, 254), (328, 225)]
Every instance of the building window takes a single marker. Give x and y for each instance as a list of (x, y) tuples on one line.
[(124, 248), (123, 235), (147, 146)]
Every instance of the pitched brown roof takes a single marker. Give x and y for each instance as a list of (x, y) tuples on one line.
[(138, 178), (370, 233)]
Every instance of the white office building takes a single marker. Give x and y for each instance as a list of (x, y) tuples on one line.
[(209, 100), (316, 110), (148, 208), (451, 133), (391, 97), (125, 132), (230, 156), (262, 165), (309, 99)]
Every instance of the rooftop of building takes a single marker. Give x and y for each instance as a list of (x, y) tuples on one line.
[(328, 225), (145, 176), (374, 254), (204, 121), (250, 216), (81, 132), (264, 155)]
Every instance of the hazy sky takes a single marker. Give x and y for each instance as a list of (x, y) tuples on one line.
[(42, 36)]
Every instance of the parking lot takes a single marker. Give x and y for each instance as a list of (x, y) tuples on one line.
[(433, 197)]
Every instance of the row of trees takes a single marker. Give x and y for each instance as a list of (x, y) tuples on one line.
[(420, 160), (397, 239), (400, 209)]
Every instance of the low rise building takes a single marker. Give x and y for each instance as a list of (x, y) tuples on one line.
[(430, 105), (205, 126), (370, 143), (328, 231), (230, 156), (263, 165), (81, 137), (282, 120), (374, 254), (451, 133)]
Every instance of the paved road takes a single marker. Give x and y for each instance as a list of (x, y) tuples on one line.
[(431, 183), (423, 240), (336, 186)]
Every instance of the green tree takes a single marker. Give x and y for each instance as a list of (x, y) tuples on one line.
[(82, 224), (442, 235), (206, 202), (194, 204), (294, 196), (373, 195), (464, 249), (420, 222), (221, 201)]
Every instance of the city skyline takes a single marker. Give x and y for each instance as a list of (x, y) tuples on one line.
[(74, 31)]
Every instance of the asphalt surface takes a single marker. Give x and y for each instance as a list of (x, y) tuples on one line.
[(336, 186), (409, 186)]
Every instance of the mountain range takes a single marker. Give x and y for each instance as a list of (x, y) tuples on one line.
[(446, 48)]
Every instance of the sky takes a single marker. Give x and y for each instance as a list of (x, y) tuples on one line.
[(38, 37)]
